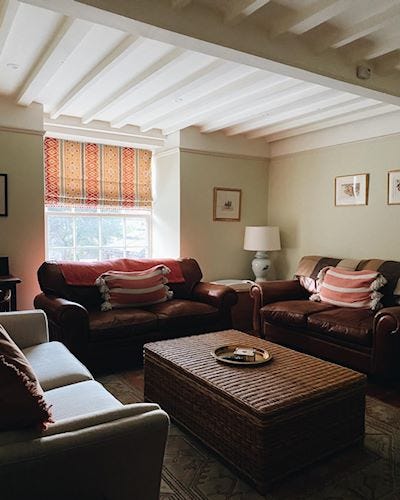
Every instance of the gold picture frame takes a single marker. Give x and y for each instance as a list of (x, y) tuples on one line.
[(227, 204), (393, 194), (351, 190)]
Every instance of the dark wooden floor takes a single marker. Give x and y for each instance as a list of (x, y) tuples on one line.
[(389, 394)]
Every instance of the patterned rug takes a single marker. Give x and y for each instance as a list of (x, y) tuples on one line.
[(370, 471)]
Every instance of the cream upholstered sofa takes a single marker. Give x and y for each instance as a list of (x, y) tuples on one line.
[(96, 448)]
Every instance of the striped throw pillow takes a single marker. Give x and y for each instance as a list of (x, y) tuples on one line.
[(121, 289), (343, 288)]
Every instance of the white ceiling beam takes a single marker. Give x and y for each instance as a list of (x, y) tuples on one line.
[(222, 100), (237, 10), (180, 4), (310, 17), (100, 126), (155, 69), (273, 127), (177, 91), (68, 127), (245, 43), (302, 107), (66, 40), (348, 117), (384, 47), (260, 107), (115, 57), (8, 12), (316, 117), (388, 63), (361, 29)]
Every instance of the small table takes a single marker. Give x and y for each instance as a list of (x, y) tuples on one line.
[(267, 421), (242, 312), (10, 282)]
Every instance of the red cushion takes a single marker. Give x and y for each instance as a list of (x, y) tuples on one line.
[(134, 289), (21, 397)]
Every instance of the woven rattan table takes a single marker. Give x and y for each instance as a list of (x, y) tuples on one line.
[(267, 420)]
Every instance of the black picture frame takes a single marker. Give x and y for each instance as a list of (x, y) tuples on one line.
[(3, 196)]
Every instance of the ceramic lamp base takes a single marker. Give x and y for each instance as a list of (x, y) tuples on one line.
[(260, 265)]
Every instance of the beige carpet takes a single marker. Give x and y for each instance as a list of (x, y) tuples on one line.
[(370, 471)]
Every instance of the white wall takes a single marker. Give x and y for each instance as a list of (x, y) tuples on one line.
[(217, 245), (166, 206), (301, 202), (22, 232)]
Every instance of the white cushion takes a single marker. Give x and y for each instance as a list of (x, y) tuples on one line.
[(80, 399), (55, 366)]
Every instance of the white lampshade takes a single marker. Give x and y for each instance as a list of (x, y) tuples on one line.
[(262, 238)]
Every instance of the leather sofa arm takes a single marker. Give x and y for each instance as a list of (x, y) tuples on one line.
[(68, 321), (386, 342), (274, 291), (388, 320), (219, 296)]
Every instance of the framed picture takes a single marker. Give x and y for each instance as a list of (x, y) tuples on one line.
[(3, 195), (351, 190), (394, 187), (227, 204)]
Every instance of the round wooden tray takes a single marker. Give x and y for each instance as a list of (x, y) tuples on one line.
[(223, 353)]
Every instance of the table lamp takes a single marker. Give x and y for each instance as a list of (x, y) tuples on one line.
[(261, 239)]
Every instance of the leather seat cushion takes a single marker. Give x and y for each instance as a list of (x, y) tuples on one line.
[(181, 313), (292, 312), (352, 325), (119, 323)]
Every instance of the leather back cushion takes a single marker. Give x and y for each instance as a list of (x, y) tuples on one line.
[(21, 397), (52, 282)]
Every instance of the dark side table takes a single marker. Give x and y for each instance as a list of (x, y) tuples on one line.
[(242, 312), (10, 282)]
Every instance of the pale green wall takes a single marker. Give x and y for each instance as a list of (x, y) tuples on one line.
[(301, 202), (22, 232), (217, 245)]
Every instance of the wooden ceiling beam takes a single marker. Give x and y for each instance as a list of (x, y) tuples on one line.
[(126, 47), (238, 10), (157, 68), (67, 38), (317, 13), (8, 12)]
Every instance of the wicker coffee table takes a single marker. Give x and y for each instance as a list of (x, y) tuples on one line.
[(266, 421)]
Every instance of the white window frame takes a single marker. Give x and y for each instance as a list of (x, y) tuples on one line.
[(74, 212)]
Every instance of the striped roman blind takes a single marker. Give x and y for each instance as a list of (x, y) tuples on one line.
[(87, 174)]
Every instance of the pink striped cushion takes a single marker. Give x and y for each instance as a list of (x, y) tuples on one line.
[(121, 289), (358, 289)]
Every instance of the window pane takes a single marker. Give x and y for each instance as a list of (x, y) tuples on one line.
[(112, 232), (87, 209), (56, 209), (137, 253), (60, 254), (111, 253), (136, 232), (60, 231), (87, 253), (87, 231)]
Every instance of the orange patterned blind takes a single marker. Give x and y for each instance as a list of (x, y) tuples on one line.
[(78, 173)]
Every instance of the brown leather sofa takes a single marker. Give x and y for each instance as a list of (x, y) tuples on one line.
[(362, 339), (115, 338)]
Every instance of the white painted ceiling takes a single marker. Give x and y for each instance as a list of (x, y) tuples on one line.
[(91, 73)]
